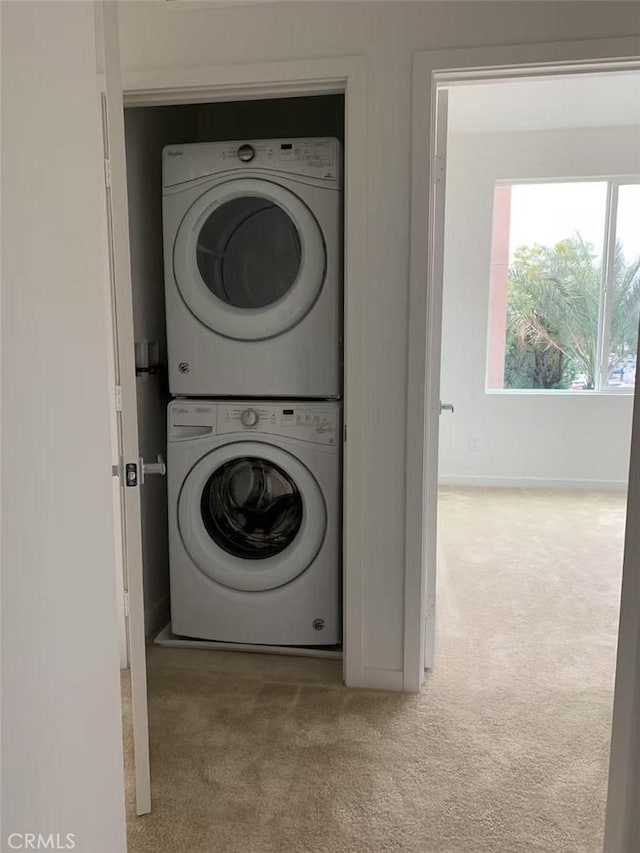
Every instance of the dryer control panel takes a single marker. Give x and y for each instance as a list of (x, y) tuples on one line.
[(317, 423), (317, 158)]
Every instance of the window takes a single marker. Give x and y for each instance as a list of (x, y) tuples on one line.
[(564, 301)]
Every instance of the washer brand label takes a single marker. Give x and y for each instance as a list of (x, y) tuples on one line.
[(174, 153), (202, 410)]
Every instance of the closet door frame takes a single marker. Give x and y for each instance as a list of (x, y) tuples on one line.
[(335, 75)]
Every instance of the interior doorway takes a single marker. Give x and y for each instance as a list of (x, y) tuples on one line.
[(531, 527), (280, 130), (148, 130)]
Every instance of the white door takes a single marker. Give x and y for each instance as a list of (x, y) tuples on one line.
[(127, 424)]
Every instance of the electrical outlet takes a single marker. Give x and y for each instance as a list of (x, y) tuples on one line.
[(474, 445)]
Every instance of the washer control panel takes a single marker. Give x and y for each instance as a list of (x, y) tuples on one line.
[(313, 422), (190, 419)]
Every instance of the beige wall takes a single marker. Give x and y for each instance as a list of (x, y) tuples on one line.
[(163, 35)]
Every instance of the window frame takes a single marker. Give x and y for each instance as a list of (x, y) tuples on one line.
[(614, 182)]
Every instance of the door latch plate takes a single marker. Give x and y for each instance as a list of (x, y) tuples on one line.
[(131, 474)]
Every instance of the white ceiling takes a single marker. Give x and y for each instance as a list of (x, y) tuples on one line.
[(594, 100)]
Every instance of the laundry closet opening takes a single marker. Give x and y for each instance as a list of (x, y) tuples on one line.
[(238, 205)]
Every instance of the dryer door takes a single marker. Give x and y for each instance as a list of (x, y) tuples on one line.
[(251, 516), (249, 259)]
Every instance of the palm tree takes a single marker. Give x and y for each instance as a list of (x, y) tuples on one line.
[(553, 313), (623, 338)]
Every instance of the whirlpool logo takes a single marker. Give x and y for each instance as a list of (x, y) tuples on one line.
[(40, 841)]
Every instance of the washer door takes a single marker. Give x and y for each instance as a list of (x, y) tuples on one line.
[(251, 516), (249, 259)]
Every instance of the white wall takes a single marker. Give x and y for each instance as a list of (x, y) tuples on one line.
[(577, 439), (164, 35), (61, 730)]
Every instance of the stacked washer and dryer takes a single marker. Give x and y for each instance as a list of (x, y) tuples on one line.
[(253, 280)]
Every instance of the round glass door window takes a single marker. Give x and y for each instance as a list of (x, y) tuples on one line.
[(251, 508), (249, 259), (249, 252)]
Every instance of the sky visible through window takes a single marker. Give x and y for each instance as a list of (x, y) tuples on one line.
[(549, 213), (628, 220)]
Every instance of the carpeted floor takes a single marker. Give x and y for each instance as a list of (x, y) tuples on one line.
[(504, 751)]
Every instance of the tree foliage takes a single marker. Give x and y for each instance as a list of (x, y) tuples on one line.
[(553, 314)]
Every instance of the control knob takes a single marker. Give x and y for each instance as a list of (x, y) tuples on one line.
[(249, 417), (246, 153)]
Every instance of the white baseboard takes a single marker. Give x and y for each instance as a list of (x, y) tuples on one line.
[(532, 483)]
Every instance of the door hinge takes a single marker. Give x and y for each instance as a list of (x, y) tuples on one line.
[(126, 602), (344, 432), (107, 172), (118, 397)]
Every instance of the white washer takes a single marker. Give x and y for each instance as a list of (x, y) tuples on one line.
[(254, 521), (252, 250)]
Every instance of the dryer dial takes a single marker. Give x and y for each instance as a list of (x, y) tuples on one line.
[(249, 417), (246, 153)]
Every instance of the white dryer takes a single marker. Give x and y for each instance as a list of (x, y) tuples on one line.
[(254, 521), (253, 268)]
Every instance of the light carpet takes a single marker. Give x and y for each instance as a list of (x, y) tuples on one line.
[(504, 751)]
